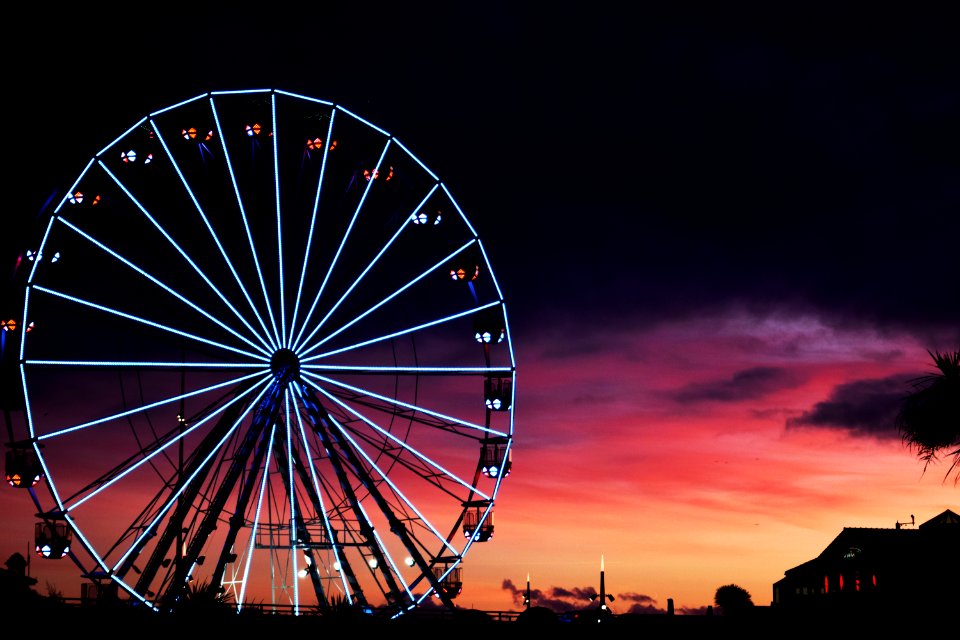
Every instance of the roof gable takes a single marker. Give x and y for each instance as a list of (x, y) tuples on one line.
[(947, 518)]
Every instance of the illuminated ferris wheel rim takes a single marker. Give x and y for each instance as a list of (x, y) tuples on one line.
[(275, 354)]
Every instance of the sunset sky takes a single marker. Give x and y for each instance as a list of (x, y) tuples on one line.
[(726, 242)]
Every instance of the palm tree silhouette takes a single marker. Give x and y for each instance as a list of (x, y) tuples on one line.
[(929, 417)]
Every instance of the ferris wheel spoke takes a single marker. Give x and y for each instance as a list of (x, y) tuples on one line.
[(407, 370), (360, 277), (192, 305), (309, 243), (336, 257), (256, 523), (387, 511), (152, 450), (222, 487), (211, 231), (248, 479), (276, 192), (403, 445), (295, 517), (148, 364), (179, 250), (402, 332), (412, 407), (122, 414), (347, 292), (246, 227), (343, 457), (199, 468), (156, 325), (390, 297), (316, 496), (313, 499)]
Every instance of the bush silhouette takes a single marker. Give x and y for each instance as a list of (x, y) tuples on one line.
[(732, 600)]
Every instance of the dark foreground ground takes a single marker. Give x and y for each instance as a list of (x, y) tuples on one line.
[(761, 622)]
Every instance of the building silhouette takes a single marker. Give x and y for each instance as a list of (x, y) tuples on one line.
[(878, 570)]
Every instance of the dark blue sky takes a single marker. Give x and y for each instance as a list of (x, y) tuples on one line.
[(621, 168)]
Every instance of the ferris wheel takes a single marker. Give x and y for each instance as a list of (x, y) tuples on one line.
[(269, 359)]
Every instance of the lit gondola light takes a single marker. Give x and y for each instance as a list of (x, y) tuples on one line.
[(473, 528), (37, 255), (496, 458), (23, 468), (129, 156), (374, 174), (423, 218), (191, 133), (451, 580), (52, 539), (78, 197), (316, 144), (497, 392), (490, 328), (469, 274)]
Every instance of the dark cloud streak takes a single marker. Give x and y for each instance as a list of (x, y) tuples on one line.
[(561, 600), (746, 384), (863, 407)]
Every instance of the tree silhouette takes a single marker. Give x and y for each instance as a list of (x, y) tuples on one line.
[(732, 600), (929, 417)]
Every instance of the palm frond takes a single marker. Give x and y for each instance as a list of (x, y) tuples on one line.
[(929, 416)]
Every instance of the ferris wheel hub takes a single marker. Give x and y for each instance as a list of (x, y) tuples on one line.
[(285, 365)]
